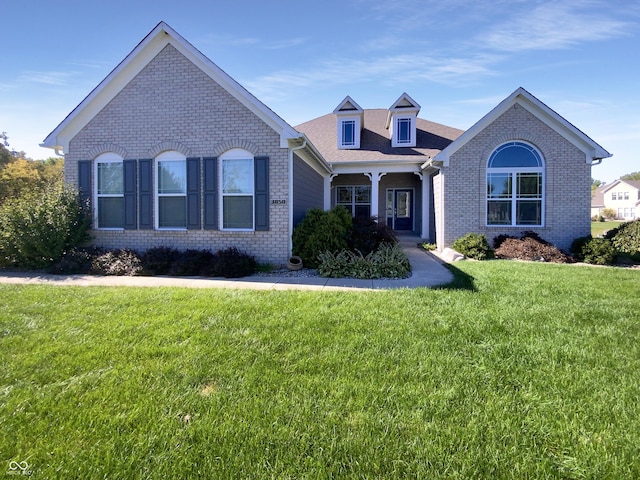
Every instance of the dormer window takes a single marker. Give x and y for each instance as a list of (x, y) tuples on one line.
[(348, 133), (403, 130), (350, 123), (401, 121)]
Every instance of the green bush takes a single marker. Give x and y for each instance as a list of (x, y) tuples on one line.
[(626, 238), (321, 231), (388, 261), (473, 245), (36, 229), (597, 251)]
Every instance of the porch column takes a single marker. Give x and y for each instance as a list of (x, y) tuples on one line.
[(327, 190), (426, 194), (375, 177)]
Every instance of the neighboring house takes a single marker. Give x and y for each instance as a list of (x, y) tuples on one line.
[(621, 196), (172, 151)]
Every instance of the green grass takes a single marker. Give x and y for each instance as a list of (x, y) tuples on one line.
[(598, 228), (518, 370)]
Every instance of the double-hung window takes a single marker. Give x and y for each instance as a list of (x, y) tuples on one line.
[(171, 190), (238, 190), (109, 191), (515, 186)]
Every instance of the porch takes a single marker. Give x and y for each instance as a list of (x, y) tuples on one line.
[(401, 199)]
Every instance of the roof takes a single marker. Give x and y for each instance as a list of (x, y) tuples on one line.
[(520, 96), (161, 36), (598, 196), (375, 144)]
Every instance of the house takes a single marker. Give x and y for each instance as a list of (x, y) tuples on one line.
[(621, 196), (171, 151)]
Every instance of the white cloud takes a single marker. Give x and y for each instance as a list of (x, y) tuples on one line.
[(390, 69), (47, 78), (554, 25)]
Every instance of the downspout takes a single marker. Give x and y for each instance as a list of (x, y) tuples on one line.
[(304, 144), (57, 152), (440, 221)]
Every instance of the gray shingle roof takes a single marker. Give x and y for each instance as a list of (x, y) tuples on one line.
[(375, 144)]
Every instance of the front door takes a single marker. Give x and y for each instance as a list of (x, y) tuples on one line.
[(400, 209)]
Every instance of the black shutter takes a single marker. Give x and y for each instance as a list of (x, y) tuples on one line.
[(145, 198), (261, 194), (130, 190), (193, 193), (84, 180), (210, 191)]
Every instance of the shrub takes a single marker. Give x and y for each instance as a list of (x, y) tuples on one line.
[(77, 260), (321, 231), (473, 245), (36, 229), (599, 251), (626, 238), (388, 261), (429, 247), (532, 248), (117, 262), (367, 234), (193, 263), (232, 263), (159, 260)]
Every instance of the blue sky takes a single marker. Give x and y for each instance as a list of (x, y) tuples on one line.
[(457, 58)]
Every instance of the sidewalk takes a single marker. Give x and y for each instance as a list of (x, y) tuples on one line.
[(427, 271)]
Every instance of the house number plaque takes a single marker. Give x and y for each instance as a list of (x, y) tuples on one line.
[(278, 202)]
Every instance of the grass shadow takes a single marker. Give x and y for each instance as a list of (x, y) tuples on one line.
[(461, 280)]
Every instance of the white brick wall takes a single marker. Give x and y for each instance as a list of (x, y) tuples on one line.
[(172, 105), (567, 178)]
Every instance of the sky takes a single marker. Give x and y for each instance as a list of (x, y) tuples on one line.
[(457, 58)]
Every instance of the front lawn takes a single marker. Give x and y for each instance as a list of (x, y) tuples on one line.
[(598, 229), (519, 370)]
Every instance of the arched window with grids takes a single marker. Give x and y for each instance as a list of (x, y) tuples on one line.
[(515, 186)]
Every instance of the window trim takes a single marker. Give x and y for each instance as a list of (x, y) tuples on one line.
[(108, 157), (170, 156), (409, 123), (356, 132), (237, 154), (513, 197)]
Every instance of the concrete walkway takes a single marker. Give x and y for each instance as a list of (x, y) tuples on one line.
[(428, 271)]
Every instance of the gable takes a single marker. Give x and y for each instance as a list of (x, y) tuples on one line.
[(520, 98), (144, 53), (170, 98)]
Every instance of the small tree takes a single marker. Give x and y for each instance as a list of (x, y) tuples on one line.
[(609, 213), (37, 228)]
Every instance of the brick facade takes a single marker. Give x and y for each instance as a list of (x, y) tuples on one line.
[(173, 105), (462, 183)]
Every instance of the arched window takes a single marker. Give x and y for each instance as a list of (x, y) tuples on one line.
[(109, 192), (515, 186), (171, 190)]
